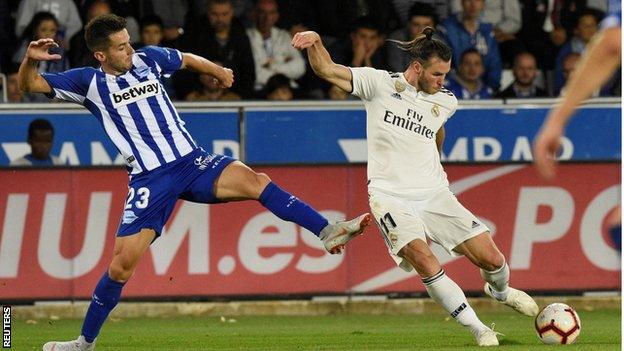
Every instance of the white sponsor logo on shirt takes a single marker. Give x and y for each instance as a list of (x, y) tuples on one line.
[(135, 93)]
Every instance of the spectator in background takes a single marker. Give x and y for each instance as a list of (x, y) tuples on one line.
[(209, 90), (278, 88), (173, 14), (335, 93), (585, 29), (43, 25), (525, 72), (14, 94), (219, 37), (465, 30), (40, 138), (80, 55), (362, 49), (506, 18), (466, 82), (271, 46), (421, 15), (64, 11), (151, 31), (403, 8)]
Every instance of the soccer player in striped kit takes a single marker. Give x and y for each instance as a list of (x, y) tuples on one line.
[(163, 161), (408, 190)]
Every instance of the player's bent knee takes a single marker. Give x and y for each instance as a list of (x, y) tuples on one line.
[(120, 271)]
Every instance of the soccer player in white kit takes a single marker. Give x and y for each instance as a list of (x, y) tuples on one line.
[(408, 189)]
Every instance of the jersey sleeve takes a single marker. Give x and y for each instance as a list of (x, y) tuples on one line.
[(169, 60), (71, 85), (365, 82)]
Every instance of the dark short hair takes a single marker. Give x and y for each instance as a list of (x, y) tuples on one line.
[(39, 124), (425, 46), (99, 29), (151, 20), (277, 81), (469, 51), (365, 22), (423, 10)]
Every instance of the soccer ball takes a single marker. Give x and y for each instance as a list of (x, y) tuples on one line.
[(557, 323)]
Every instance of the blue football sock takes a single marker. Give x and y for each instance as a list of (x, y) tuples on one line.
[(105, 298), (290, 208)]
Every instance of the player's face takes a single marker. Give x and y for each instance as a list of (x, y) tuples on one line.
[(471, 67), (41, 143), (431, 77), (525, 69), (220, 16), (118, 55)]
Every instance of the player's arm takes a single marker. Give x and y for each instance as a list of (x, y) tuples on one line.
[(29, 79), (440, 138), (321, 62), (598, 64), (198, 64)]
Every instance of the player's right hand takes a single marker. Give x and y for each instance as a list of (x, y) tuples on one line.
[(304, 40), (38, 50)]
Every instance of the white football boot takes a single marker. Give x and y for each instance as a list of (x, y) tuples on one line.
[(516, 299), (79, 344), (336, 236), (487, 337)]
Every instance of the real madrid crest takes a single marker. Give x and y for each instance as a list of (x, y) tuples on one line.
[(399, 86), (435, 110)]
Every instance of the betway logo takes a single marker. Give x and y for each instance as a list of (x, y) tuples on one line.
[(135, 93)]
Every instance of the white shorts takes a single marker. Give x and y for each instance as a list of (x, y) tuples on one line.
[(440, 218)]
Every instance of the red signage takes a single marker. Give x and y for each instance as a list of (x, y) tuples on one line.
[(57, 230)]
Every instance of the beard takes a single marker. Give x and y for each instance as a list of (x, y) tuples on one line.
[(426, 87)]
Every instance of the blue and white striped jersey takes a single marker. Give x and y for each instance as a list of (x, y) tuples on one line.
[(133, 108)]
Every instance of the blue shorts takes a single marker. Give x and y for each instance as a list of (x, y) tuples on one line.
[(152, 195)]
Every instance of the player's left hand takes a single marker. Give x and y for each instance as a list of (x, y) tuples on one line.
[(226, 78), (545, 149)]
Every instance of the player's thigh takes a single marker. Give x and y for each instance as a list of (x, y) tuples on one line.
[(448, 223), (397, 223), (239, 182)]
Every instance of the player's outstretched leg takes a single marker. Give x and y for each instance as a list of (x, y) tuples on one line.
[(497, 287), (290, 208), (449, 295)]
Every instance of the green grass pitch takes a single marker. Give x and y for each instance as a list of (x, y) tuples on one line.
[(601, 330)]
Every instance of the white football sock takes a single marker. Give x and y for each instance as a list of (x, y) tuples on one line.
[(498, 280), (450, 296)]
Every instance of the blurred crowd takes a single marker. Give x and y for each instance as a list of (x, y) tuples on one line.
[(501, 48)]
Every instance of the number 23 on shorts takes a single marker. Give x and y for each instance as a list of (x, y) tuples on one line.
[(142, 195)]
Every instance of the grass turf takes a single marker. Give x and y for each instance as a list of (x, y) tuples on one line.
[(601, 330)]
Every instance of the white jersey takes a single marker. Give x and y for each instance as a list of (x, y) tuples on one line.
[(401, 127)]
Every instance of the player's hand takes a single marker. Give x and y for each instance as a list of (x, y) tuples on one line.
[(545, 149), (38, 50), (304, 40), (226, 78)]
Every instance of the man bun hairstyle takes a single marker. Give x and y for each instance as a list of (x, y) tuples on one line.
[(100, 28), (425, 46)]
